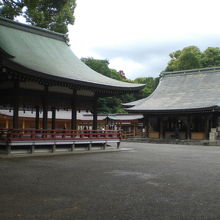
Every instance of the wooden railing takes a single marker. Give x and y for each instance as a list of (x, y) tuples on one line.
[(127, 134), (57, 134)]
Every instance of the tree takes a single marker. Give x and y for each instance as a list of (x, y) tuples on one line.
[(211, 57), (53, 15), (150, 85), (188, 58), (106, 104), (101, 66), (113, 104), (191, 58)]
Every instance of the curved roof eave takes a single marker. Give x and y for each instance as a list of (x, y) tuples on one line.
[(193, 90), (25, 70), (170, 111), (46, 54)]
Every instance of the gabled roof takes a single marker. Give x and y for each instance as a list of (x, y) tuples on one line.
[(189, 90), (39, 52)]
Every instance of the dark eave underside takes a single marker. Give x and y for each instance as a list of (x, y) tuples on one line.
[(46, 55)]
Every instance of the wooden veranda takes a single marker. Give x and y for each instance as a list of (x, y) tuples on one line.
[(32, 139)]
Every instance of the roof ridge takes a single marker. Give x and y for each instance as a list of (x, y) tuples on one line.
[(32, 29), (207, 69)]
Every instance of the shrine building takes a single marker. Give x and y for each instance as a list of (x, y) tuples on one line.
[(40, 73), (185, 105)]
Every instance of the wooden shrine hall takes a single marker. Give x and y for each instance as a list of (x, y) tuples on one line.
[(39, 72), (185, 105)]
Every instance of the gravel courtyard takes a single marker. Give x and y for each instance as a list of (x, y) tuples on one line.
[(143, 181)]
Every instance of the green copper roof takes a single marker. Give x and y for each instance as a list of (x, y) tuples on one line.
[(46, 53)]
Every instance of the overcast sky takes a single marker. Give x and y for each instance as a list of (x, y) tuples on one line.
[(136, 36)]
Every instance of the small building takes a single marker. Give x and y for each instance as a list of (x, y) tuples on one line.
[(185, 105)]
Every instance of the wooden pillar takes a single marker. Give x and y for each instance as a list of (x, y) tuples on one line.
[(6, 123), (74, 112), (37, 117), (45, 109), (134, 131), (45, 117), (94, 122), (206, 127), (16, 105), (15, 116), (215, 120), (146, 126), (53, 118), (161, 128), (23, 123), (188, 127)]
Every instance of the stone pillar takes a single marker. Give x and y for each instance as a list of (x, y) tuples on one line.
[(73, 147), (90, 146), (118, 145)]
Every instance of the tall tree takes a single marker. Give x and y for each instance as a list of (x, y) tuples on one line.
[(113, 104), (187, 58), (107, 104), (211, 57), (150, 85), (191, 58), (53, 15), (101, 66)]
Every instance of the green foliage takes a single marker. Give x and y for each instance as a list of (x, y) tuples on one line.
[(113, 104), (211, 57), (192, 58), (110, 105), (188, 58), (150, 85), (53, 15), (101, 66)]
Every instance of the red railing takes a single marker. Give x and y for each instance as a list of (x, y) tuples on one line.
[(57, 134)]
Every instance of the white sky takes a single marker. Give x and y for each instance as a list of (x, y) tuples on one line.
[(136, 36)]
